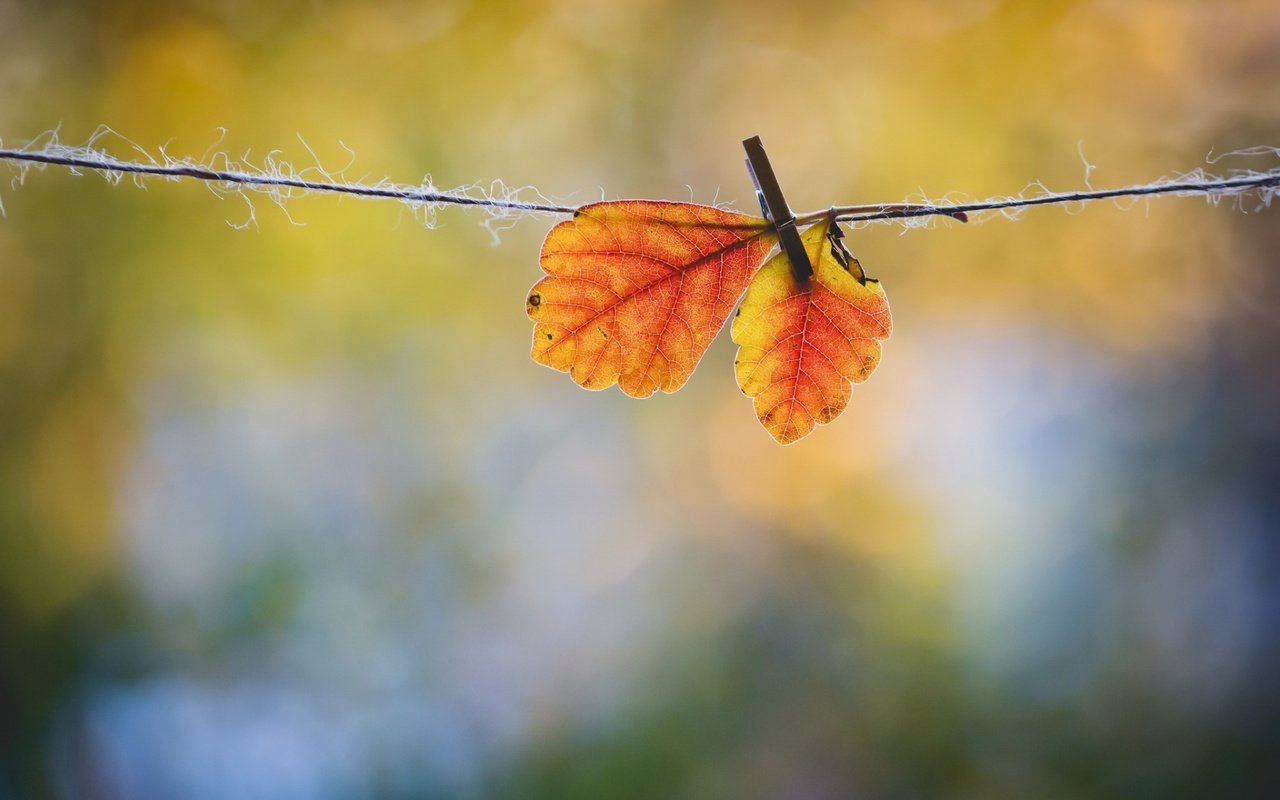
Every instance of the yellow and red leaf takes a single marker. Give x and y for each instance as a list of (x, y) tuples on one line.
[(801, 344), (635, 290)]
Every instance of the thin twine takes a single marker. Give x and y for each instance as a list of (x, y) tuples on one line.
[(852, 213), (104, 163), (876, 213)]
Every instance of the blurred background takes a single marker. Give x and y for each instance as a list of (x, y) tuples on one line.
[(288, 512)]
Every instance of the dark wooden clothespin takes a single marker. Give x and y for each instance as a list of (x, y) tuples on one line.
[(775, 208)]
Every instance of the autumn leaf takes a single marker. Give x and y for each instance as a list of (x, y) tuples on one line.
[(802, 343), (636, 290)]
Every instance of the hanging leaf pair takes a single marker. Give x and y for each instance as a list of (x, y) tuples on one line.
[(636, 290)]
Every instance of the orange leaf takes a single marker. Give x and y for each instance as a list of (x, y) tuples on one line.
[(801, 344), (636, 290)]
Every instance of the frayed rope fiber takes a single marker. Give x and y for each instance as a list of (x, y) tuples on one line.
[(107, 164), (280, 180)]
